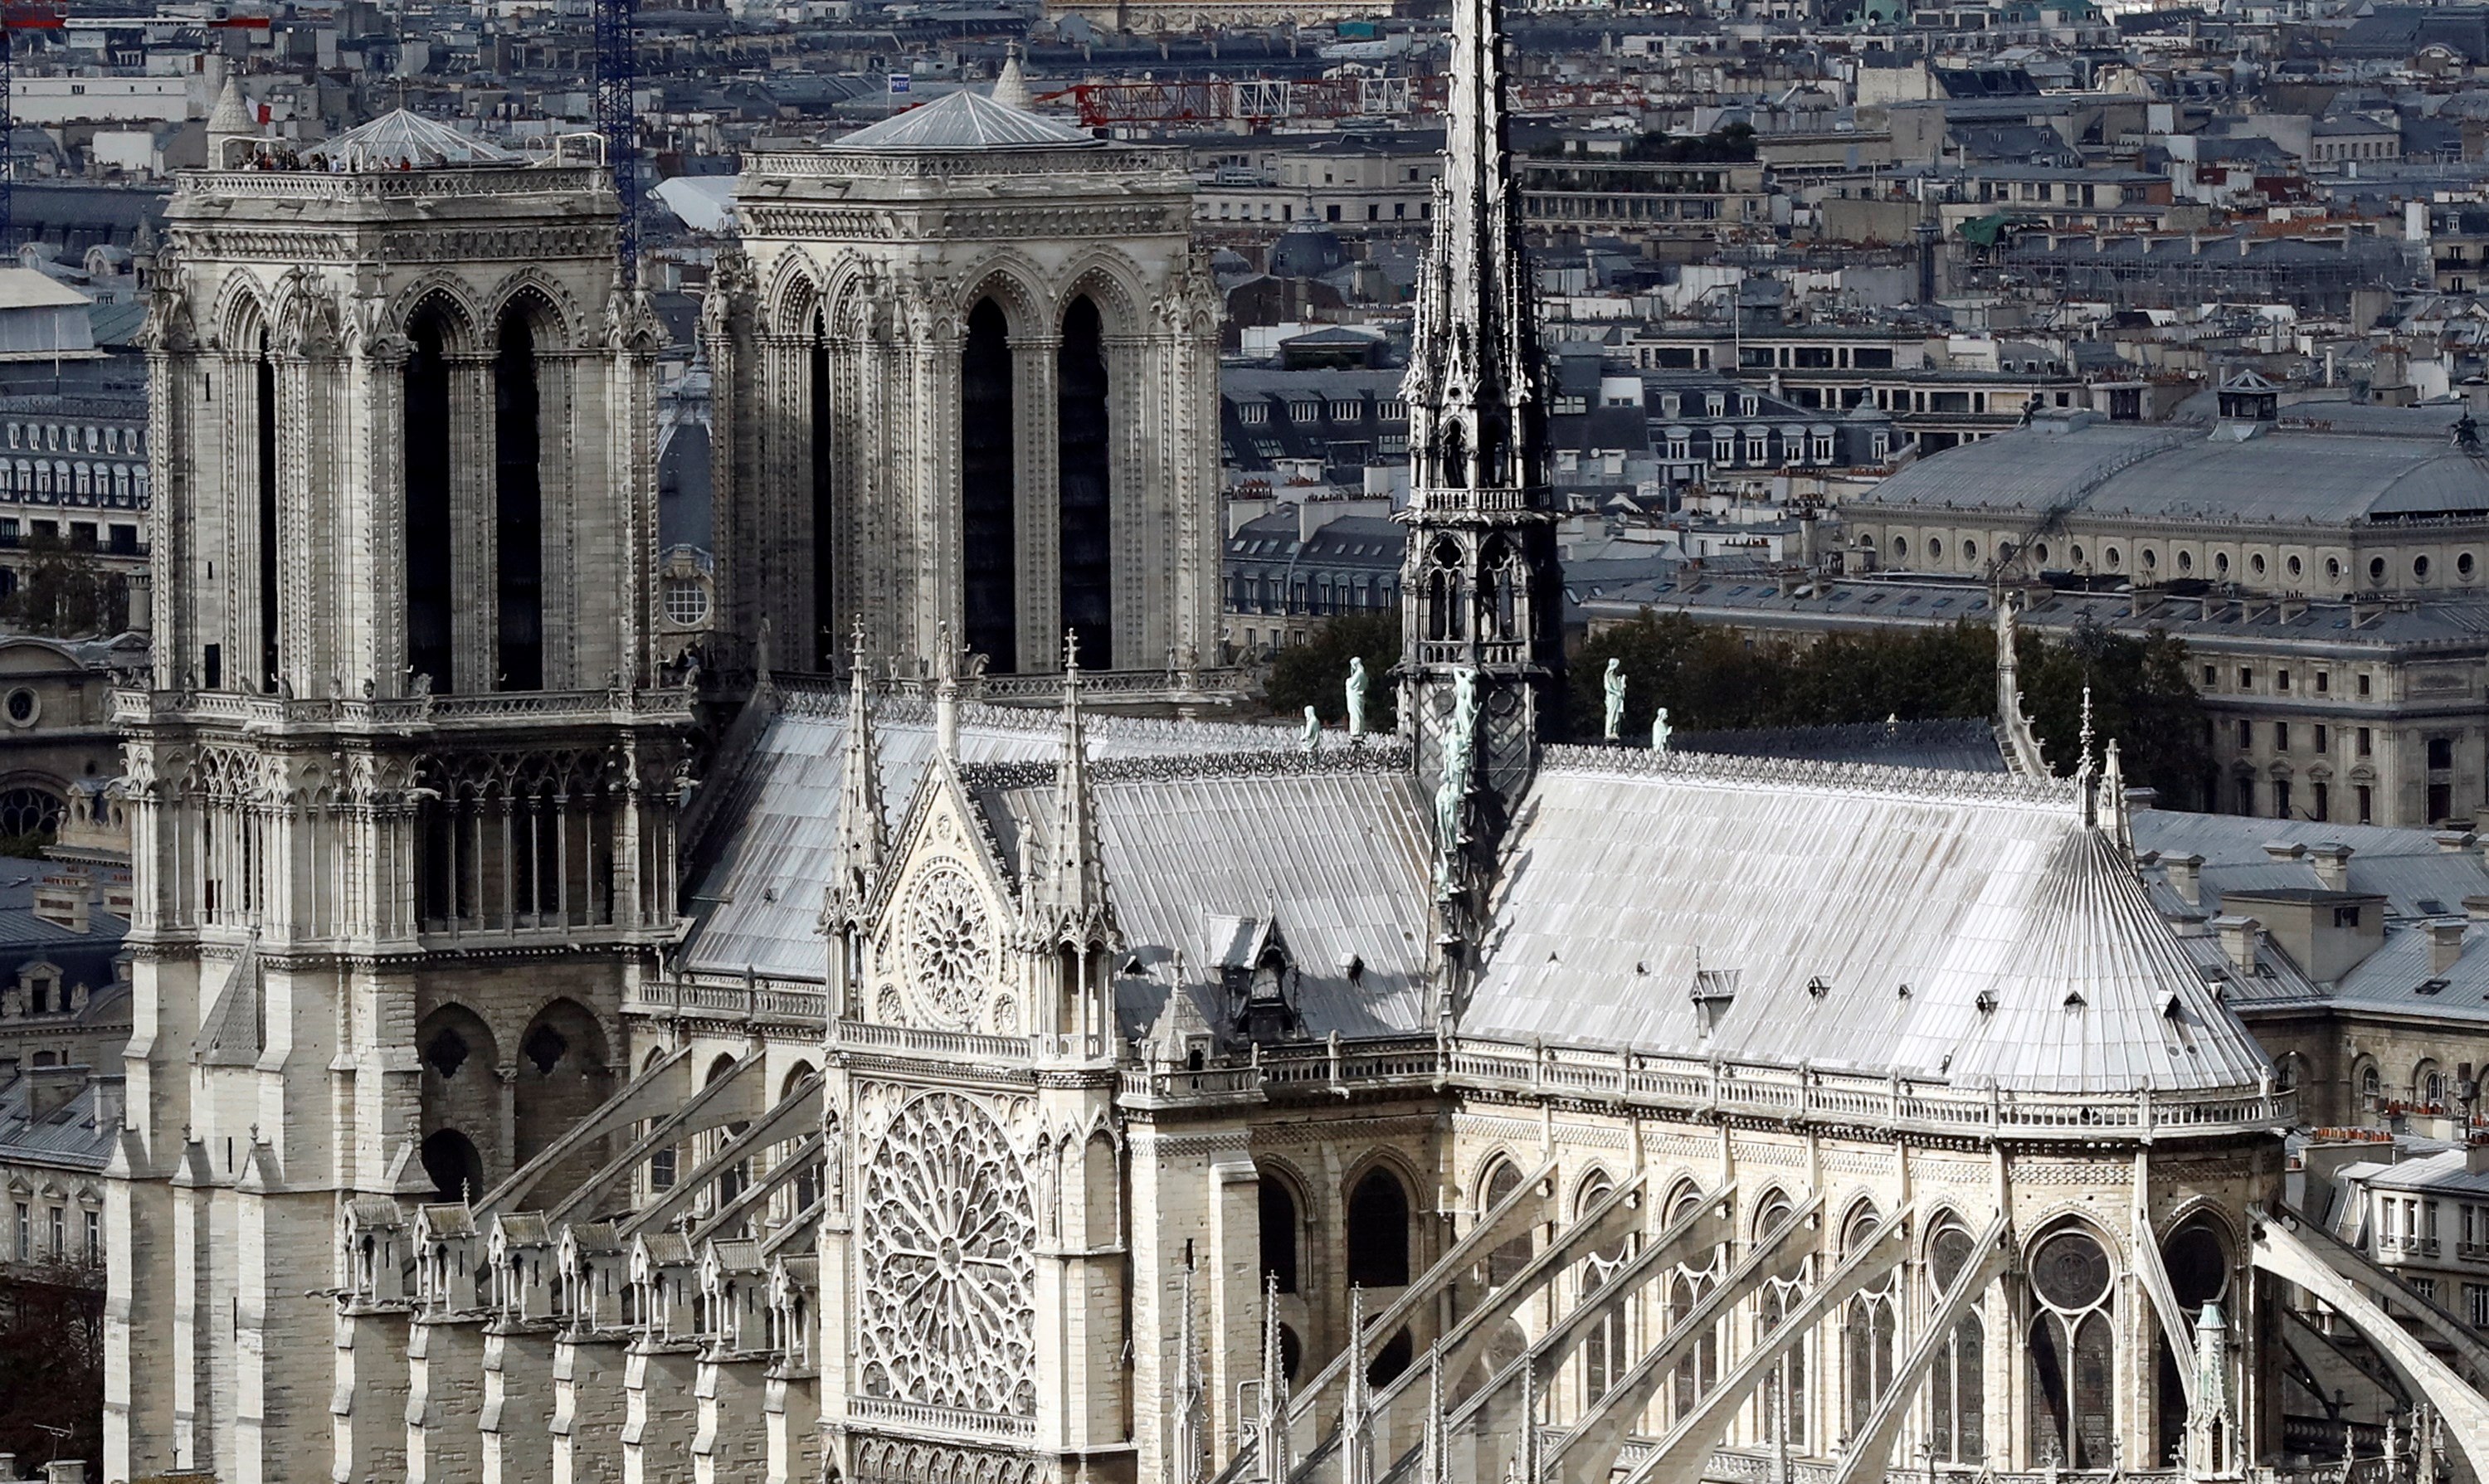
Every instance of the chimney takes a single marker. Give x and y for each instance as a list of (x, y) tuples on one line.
[(65, 1471), (2185, 877), (63, 898), (2445, 944), (2239, 937), (2475, 1162), (2454, 842), (8, 1466), (53, 1088), (2332, 863), (2285, 852)]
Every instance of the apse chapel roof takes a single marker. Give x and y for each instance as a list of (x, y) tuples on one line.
[(1952, 927)]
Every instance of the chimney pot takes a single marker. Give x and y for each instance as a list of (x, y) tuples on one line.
[(2446, 943), (2332, 865), (2185, 877), (2239, 938)]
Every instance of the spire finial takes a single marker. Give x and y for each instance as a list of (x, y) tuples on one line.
[(1271, 1425), (860, 821), (1355, 1446)]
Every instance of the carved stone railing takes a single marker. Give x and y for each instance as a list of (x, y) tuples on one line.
[(916, 1414), (1797, 1096), (618, 707), (753, 1002), (944, 164), (430, 183)]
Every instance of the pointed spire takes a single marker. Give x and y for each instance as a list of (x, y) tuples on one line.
[(860, 820), (1355, 1445), (1477, 421), (1073, 884), (1011, 85), (1270, 1426), (2086, 767), (2024, 755), (1525, 1450), (1436, 1460), (1188, 1397)]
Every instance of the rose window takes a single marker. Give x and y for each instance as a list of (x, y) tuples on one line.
[(948, 1316), (950, 948)]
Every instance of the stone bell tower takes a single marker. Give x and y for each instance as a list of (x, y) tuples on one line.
[(402, 785)]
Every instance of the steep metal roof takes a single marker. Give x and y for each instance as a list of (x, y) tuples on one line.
[(963, 121), (1944, 927), (1332, 847), (758, 903)]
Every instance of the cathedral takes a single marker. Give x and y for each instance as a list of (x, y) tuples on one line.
[(554, 1060)]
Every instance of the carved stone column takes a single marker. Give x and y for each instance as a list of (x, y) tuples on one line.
[(475, 573), (1037, 501)]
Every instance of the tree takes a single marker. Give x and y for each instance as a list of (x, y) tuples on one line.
[(1315, 672), (63, 592), (51, 1329), (1711, 679)]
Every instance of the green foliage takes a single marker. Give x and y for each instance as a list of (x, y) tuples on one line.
[(1315, 672), (1734, 145), (63, 592), (1711, 679), (51, 1329)]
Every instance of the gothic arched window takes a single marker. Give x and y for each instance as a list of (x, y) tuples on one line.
[(1085, 484), (989, 543), (2072, 1350), (425, 470), (518, 497)]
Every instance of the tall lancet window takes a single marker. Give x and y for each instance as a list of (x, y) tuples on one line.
[(987, 489), (825, 638), (519, 508), (268, 536), (428, 593), (1086, 504)]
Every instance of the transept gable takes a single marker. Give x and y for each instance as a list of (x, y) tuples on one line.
[(942, 916)]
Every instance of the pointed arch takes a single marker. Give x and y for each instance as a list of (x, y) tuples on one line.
[(1011, 281), (1112, 281), (554, 315)]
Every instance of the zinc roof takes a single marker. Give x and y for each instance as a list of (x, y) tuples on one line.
[(1825, 890), (1335, 847), (964, 120), (758, 902), (403, 137), (2282, 475)]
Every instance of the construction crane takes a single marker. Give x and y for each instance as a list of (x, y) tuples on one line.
[(617, 71), (16, 16)]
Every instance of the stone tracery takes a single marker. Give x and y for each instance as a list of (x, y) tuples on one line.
[(948, 1317)]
